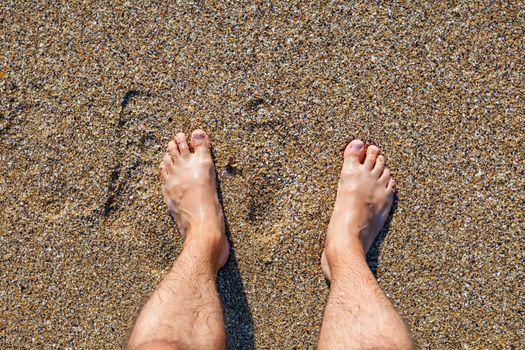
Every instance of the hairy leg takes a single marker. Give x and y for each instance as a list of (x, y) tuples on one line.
[(184, 312), (358, 315)]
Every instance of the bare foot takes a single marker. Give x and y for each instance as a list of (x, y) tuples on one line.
[(189, 189), (364, 198)]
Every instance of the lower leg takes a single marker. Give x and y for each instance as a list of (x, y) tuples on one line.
[(184, 311), (358, 314)]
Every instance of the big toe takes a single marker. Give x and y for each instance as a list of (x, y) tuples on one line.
[(354, 152), (200, 141)]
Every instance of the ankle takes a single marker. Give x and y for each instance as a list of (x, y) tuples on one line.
[(342, 256), (203, 235), (198, 254), (206, 249), (348, 247)]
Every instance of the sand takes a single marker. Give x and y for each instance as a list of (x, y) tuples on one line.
[(91, 93)]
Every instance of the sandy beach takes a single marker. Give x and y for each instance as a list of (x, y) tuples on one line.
[(90, 94)]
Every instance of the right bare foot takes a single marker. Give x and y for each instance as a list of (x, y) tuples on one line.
[(189, 189), (364, 198)]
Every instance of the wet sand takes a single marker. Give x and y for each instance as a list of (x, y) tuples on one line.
[(90, 95)]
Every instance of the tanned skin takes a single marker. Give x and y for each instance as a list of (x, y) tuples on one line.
[(184, 312), (358, 315)]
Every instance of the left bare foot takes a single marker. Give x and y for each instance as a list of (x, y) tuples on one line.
[(189, 189)]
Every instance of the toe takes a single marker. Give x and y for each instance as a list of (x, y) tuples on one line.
[(167, 163), (371, 155), (173, 150), (354, 152), (200, 142), (379, 166), (162, 171), (184, 150), (385, 177), (391, 185)]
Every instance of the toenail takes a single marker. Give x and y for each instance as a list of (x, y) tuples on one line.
[(198, 136), (357, 146)]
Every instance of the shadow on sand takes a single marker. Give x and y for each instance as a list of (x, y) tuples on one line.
[(237, 314), (375, 250)]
